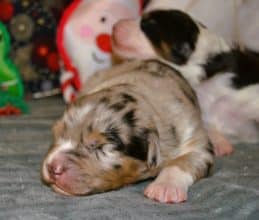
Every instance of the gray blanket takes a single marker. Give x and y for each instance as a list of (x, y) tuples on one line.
[(232, 192)]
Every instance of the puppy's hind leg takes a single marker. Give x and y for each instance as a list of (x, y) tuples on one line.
[(171, 185), (221, 144)]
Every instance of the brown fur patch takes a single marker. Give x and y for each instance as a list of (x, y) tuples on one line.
[(94, 139), (58, 129)]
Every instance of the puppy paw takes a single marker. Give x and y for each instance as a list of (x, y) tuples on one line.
[(221, 145), (171, 186), (165, 193), (223, 149)]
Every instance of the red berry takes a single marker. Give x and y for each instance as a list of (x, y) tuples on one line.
[(52, 62), (6, 11)]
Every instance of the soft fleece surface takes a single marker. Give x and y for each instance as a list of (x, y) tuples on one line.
[(232, 192)]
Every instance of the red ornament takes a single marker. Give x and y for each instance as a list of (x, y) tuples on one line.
[(9, 110), (52, 62), (104, 42), (43, 51), (6, 10)]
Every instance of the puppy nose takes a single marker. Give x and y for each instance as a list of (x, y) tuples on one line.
[(55, 170)]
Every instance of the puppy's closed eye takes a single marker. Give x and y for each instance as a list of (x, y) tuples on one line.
[(93, 140), (112, 135)]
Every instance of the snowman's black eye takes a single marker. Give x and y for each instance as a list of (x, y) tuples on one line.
[(103, 19)]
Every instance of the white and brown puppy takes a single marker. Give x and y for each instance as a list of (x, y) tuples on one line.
[(226, 79), (136, 121)]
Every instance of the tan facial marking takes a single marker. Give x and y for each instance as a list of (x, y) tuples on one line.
[(94, 139), (58, 128)]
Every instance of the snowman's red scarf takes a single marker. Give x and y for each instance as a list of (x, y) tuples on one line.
[(60, 45)]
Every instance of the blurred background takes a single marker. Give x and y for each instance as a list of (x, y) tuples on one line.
[(32, 28)]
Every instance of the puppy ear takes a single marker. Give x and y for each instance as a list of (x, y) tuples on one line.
[(154, 155)]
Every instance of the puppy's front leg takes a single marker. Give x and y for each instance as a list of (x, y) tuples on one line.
[(171, 185)]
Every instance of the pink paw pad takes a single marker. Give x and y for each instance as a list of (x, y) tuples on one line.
[(165, 193), (221, 145), (223, 149)]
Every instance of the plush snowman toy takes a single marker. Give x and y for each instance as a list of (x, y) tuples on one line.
[(84, 39)]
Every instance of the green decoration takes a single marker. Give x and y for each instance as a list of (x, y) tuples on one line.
[(10, 80), (11, 86), (11, 105)]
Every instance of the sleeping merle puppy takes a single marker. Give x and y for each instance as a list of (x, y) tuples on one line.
[(135, 121), (225, 78)]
